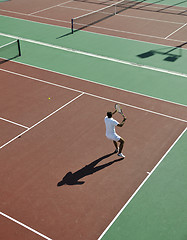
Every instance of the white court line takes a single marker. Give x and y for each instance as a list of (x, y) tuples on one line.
[(161, 8), (93, 95), (41, 121), (20, 125), (137, 190), (98, 56), (25, 226), (62, 4), (139, 108), (42, 10), (40, 80), (138, 34), (150, 19), (35, 16), (175, 31)]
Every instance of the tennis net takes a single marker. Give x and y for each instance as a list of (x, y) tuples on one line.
[(91, 18), (10, 51)]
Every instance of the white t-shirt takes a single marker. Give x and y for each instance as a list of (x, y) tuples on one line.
[(110, 126)]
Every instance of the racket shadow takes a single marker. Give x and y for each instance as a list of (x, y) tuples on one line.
[(74, 178)]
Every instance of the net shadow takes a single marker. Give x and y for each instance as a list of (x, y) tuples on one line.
[(164, 9), (65, 35), (2, 61), (147, 7)]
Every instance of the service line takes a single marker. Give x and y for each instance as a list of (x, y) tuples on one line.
[(6, 120), (96, 96), (41, 120)]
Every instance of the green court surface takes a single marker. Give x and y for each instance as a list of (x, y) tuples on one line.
[(5, 40), (158, 210), (169, 2), (126, 75)]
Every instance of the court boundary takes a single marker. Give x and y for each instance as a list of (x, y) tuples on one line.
[(141, 185)]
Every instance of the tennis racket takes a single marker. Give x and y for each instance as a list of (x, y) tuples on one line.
[(119, 109)]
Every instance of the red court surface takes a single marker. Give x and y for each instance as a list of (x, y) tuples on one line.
[(67, 133)]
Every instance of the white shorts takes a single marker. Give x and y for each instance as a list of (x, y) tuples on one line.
[(114, 137)]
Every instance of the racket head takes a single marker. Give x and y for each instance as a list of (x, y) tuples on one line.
[(118, 108)]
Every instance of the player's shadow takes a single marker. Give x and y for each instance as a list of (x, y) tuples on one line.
[(73, 178)]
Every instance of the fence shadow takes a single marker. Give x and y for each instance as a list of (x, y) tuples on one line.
[(171, 54)]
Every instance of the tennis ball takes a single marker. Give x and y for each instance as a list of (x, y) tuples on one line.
[(49, 98)]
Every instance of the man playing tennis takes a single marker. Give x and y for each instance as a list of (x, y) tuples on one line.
[(111, 133)]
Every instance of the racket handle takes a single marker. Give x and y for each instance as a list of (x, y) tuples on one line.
[(124, 118)]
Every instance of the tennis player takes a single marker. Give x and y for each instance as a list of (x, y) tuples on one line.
[(111, 133)]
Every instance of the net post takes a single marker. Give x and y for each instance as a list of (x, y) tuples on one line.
[(72, 25), (19, 49)]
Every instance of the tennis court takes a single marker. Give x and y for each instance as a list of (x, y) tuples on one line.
[(56, 87)]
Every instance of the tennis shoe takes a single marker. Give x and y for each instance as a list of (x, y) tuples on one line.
[(121, 155)]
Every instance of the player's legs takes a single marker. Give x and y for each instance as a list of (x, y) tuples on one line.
[(116, 138), (115, 144), (121, 141)]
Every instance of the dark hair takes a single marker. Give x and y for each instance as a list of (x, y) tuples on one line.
[(109, 114)]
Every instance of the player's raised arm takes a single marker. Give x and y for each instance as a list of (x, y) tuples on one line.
[(122, 123)]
